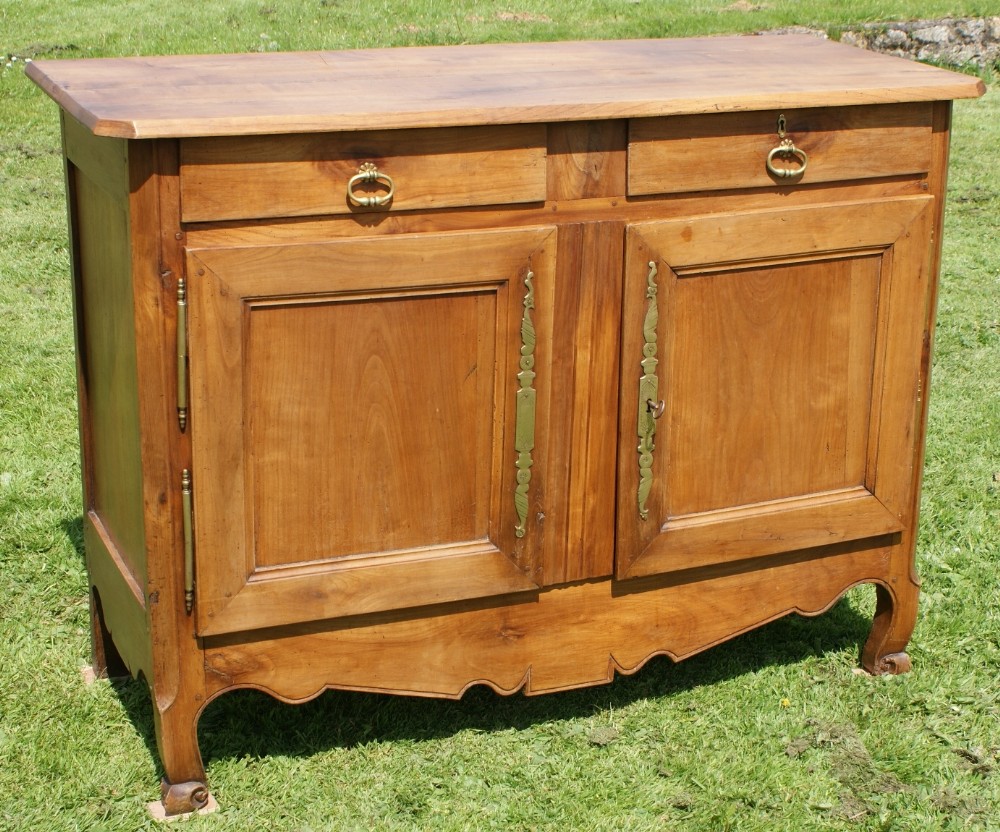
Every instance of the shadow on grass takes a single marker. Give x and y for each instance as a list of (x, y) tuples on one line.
[(73, 529), (250, 723)]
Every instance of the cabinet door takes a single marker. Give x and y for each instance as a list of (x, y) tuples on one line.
[(366, 421), (770, 372)]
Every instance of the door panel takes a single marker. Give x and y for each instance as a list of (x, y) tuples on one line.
[(378, 448), (374, 441), (781, 357), (759, 413)]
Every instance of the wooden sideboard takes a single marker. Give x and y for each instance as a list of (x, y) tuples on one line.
[(517, 365)]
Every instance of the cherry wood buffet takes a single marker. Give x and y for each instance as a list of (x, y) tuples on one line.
[(517, 365)]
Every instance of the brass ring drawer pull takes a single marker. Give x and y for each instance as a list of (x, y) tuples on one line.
[(370, 173), (786, 148)]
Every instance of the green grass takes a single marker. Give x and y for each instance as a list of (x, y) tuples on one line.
[(772, 731)]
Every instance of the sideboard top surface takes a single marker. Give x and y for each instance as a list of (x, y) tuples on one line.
[(436, 86)]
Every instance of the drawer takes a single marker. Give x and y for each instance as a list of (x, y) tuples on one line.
[(729, 150), (229, 178)]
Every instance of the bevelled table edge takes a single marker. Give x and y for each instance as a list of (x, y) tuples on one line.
[(461, 98)]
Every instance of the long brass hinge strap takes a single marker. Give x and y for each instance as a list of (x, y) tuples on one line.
[(182, 357), (182, 353), (648, 394), (524, 423), (188, 541)]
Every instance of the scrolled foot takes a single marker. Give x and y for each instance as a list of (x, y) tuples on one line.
[(891, 665), (895, 616), (183, 798)]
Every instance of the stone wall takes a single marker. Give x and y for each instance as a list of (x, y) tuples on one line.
[(950, 41)]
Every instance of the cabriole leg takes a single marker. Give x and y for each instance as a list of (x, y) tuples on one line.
[(183, 789), (895, 618)]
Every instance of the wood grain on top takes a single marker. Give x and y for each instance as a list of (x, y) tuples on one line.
[(377, 89)]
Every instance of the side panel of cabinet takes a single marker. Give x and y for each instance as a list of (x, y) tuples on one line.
[(769, 381), (105, 265), (368, 423)]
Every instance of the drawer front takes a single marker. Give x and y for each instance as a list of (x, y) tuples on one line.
[(730, 150), (310, 174)]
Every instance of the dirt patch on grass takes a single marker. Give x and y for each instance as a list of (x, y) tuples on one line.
[(522, 17), (850, 764), (510, 17), (744, 6), (956, 805), (864, 786)]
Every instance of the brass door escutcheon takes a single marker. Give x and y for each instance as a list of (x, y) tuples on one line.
[(650, 405), (524, 422)]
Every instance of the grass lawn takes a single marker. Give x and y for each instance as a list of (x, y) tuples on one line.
[(771, 731)]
